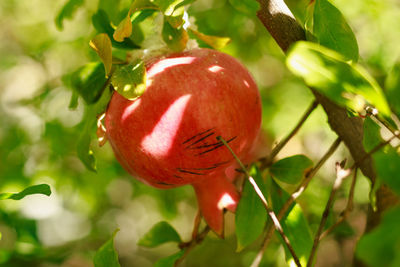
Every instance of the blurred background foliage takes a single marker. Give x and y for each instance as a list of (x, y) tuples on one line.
[(39, 132)]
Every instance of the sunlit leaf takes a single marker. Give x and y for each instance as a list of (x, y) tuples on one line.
[(102, 24), (292, 169), (332, 30), (43, 189), (123, 30), (106, 256), (67, 12), (101, 43), (130, 80), (159, 234), (328, 72), (249, 7), (372, 136), (215, 42), (141, 5), (251, 215), (294, 225), (387, 165), (170, 260), (392, 86), (380, 247), (175, 38), (89, 81)]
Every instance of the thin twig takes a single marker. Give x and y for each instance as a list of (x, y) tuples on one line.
[(293, 197), (372, 151), (189, 246), (340, 175), (347, 210), (268, 160), (270, 212)]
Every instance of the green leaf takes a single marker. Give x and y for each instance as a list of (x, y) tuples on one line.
[(380, 247), (249, 7), (138, 5), (328, 72), (159, 234), (43, 189), (67, 12), (175, 38), (294, 225), (387, 165), (372, 136), (73, 102), (332, 30), (170, 260), (85, 153), (106, 256), (112, 9), (215, 42), (251, 215), (89, 81), (392, 86), (130, 80), (292, 169)]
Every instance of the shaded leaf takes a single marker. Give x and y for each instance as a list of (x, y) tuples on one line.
[(85, 153), (332, 30), (43, 189), (328, 72), (372, 136), (170, 260), (67, 12), (249, 7), (387, 165), (89, 81), (294, 225), (380, 247), (175, 38), (292, 169), (251, 215), (101, 44), (392, 86), (159, 234), (213, 41), (130, 80), (106, 256), (123, 30), (73, 102)]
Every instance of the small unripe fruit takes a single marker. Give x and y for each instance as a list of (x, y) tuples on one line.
[(168, 136)]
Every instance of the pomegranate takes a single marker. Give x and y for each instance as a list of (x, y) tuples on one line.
[(168, 136)]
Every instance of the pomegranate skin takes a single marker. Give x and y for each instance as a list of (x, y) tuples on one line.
[(168, 136)]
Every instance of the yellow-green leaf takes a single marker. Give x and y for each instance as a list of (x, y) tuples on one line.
[(140, 5), (123, 30), (130, 80), (215, 42), (101, 43)]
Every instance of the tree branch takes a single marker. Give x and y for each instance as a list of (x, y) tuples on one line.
[(283, 27)]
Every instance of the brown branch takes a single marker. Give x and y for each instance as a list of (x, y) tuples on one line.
[(270, 212), (293, 197), (283, 27)]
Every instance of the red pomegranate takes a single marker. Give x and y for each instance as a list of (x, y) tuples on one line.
[(168, 136)]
